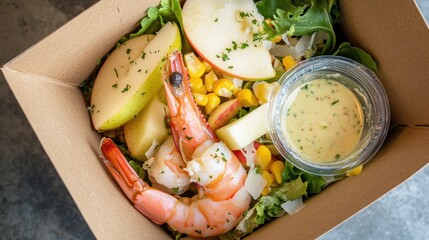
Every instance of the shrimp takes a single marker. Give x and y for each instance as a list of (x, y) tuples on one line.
[(166, 169), (219, 176), (188, 126)]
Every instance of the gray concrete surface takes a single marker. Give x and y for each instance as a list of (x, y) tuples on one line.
[(34, 203)]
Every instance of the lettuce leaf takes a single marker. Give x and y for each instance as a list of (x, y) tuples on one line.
[(298, 18), (168, 10), (315, 183), (357, 54), (267, 208)]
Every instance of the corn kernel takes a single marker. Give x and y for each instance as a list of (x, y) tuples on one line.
[(200, 99), (237, 83), (355, 171), (197, 86), (277, 39), (207, 67), (223, 87), (195, 66), (268, 21), (277, 168), (246, 98), (195, 83), (266, 191), (263, 91), (212, 103), (288, 62), (209, 79), (263, 156), (268, 177)]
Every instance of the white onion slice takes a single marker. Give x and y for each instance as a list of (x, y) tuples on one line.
[(303, 44), (255, 183), (267, 44), (292, 207), (249, 153), (151, 151), (283, 50)]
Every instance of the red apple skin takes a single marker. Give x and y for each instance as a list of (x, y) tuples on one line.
[(223, 113), (240, 156)]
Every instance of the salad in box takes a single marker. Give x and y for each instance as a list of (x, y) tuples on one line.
[(183, 103)]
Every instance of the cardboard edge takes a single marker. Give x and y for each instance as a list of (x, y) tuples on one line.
[(377, 200), (60, 139), (77, 35)]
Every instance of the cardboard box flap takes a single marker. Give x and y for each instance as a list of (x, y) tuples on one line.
[(57, 114), (395, 33), (44, 80), (404, 153), (105, 22)]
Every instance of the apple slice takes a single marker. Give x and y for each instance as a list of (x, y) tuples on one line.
[(245, 130), (223, 113), (147, 126), (130, 77), (226, 34)]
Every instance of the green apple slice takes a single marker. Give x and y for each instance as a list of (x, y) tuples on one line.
[(130, 77), (147, 126), (245, 130)]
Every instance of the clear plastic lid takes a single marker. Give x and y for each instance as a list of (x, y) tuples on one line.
[(362, 82)]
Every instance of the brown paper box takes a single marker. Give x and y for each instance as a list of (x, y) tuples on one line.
[(44, 79)]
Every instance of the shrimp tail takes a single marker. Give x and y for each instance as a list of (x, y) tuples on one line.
[(189, 126), (143, 197)]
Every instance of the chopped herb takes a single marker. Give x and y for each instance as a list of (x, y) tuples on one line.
[(163, 59), (225, 57), (244, 45), (257, 37), (143, 93), (305, 87), (115, 85), (228, 50), (337, 156), (217, 19), (334, 102), (139, 70), (143, 55), (199, 180), (128, 50), (176, 189), (198, 231), (116, 72), (145, 71), (127, 87), (234, 45), (243, 14), (230, 67), (210, 176), (254, 21), (189, 138), (227, 220), (162, 172)]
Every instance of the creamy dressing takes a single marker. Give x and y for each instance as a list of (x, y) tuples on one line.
[(323, 120)]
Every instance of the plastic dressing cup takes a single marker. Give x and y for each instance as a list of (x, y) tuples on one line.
[(328, 115)]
